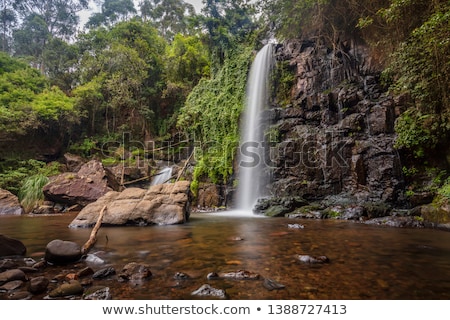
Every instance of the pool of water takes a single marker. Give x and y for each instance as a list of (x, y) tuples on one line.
[(366, 262)]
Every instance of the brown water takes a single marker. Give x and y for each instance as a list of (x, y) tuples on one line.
[(366, 262)]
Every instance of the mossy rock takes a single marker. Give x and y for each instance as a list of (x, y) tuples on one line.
[(434, 213)]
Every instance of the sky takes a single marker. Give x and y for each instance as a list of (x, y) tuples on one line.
[(85, 14)]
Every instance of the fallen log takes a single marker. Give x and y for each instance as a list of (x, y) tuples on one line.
[(93, 237)]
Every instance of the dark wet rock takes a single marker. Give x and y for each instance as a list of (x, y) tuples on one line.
[(11, 285), (353, 213), (296, 226), (28, 269), (397, 222), (135, 272), (97, 293), (11, 247), (7, 264), (73, 288), (85, 272), (241, 275), (335, 135), (40, 265), (87, 185), (208, 291), (9, 204), (62, 252), (11, 275), (212, 276), (278, 206), (270, 285), (161, 204), (104, 273), (313, 259), (38, 284), (181, 276), (20, 295)]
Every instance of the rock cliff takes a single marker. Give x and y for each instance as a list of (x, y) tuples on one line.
[(333, 135)]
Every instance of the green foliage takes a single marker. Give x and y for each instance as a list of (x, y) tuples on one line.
[(30, 193), (25, 101), (421, 68), (444, 191), (211, 117), (283, 81), (122, 77), (416, 132), (53, 104), (13, 172)]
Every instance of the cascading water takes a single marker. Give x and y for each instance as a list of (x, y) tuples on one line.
[(252, 173), (162, 176)]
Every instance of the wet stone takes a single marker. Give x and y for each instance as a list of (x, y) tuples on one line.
[(12, 285), (242, 275), (7, 264), (296, 226), (313, 260), (104, 273), (38, 284), (135, 272), (181, 276), (72, 288), (11, 275), (207, 291), (97, 293), (270, 285), (212, 276), (85, 272), (20, 295)]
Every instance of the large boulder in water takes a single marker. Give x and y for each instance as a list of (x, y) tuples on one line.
[(161, 204), (11, 247), (9, 204), (62, 252), (87, 185)]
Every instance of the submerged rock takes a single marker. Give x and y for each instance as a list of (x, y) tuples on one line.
[(270, 285), (241, 275), (207, 291), (135, 272), (312, 259), (97, 293)]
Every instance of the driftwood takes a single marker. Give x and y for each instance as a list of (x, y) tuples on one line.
[(93, 237)]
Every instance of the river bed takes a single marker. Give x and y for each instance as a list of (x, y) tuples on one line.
[(366, 261)]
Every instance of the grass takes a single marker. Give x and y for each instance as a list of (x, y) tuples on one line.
[(30, 193)]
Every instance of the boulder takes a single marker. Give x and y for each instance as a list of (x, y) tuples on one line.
[(87, 185), (9, 204), (11, 247), (161, 204), (62, 252)]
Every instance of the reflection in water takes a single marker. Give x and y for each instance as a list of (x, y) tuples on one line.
[(367, 262)]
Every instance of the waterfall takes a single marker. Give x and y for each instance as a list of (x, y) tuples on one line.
[(162, 176), (252, 173)]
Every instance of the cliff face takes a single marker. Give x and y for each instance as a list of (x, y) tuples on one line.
[(334, 134)]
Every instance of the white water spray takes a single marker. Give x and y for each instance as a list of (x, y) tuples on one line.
[(162, 176), (252, 173)]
